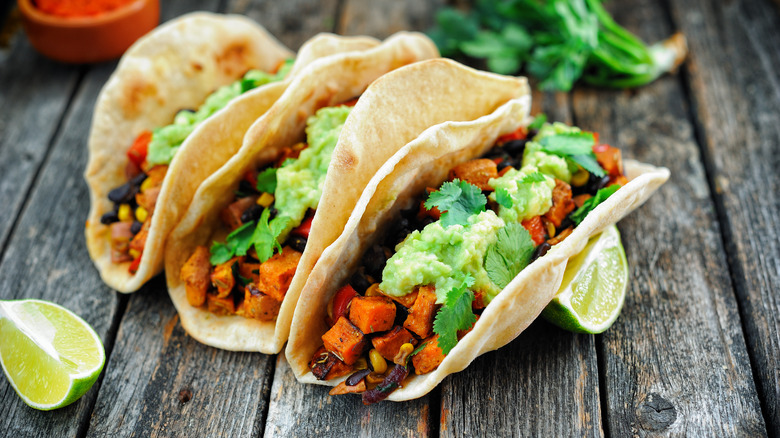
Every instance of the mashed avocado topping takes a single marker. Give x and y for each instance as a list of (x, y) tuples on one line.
[(529, 190), (549, 164), (167, 140), (442, 256), (300, 181)]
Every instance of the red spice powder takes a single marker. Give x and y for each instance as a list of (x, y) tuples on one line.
[(79, 8)]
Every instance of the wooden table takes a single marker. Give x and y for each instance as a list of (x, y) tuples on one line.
[(696, 351)]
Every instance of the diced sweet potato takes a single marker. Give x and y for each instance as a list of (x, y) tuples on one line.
[(148, 198), (609, 158), (422, 313), (560, 236), (372, 314), (427, 359), (231, 215), (388, 344), (258, 305), (220, 305), (120, 241), (223, 278), (535, 228), (406, 300), (325, 365), (562, 204), (343, 388), (196, 274), (139, 240), (479, 300), (156, 175), (477, 172), (345, 340), (250, 271), (580, 199), (276, 273)]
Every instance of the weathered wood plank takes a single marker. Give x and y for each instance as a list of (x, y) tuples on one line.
[(380, 18), (291, 21), (675, 361), (545, 383), (46, 258), (308, 410), (34, 96), (735, 91)]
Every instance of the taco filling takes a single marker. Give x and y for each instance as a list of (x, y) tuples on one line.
[(148, 160), (249, 274), (425, 284)]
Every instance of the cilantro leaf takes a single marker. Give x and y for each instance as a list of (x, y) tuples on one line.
[(266, 234), (266, 180), (509, 255), (220, 253), (539, 120), (533, 177), (574, 146), (503, 198), (455, 315), (236, 243), (579, 214), (457, 200)]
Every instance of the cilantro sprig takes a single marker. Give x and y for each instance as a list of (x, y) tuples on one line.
[(266, 180), (263, 235), (578, 215), (457, 200), (574, 146), (455, 315), (509, 255)]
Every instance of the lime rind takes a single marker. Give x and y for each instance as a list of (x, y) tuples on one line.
[(578, 307), (79, 381)]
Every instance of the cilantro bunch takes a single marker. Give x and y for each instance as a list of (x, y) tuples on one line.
[(558, 42)]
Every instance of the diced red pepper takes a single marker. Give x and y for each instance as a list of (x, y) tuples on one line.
[(341, 301), (137, 152), (304, 228), (519, 134), (535, 228), (133, 268)]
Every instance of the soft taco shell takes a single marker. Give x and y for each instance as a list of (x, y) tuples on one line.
[(174, 67), (325, 82), (425, 162)]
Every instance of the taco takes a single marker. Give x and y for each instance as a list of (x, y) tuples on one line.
[(211, 76), (457, 243), (235, 263)]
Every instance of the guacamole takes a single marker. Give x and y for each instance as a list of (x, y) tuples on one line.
[(440, 256), (549, 164), (167, 140), (529, 198), (299, 182)]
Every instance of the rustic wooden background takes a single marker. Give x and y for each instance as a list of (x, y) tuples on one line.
[(696, 351)]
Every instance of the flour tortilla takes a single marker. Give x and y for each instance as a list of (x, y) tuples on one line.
[(326, 82), (177, 66), (425, 162)]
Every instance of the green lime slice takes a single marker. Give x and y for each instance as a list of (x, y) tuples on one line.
[(593, 288), (50, 355)]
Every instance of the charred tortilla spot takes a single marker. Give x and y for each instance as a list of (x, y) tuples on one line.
[(234, 59), (136, 94), (345, 159)]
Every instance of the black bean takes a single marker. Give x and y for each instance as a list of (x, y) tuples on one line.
[(356, 377), (273, 213), (138, 179), (496, 152), (359, 282), (401, 313), (252, 213), (246, 188), (398, 232), (532, 133), (541, 250), (297, 243), (391, 382), (374, 261), (566, 223), (594, 184), (109, 218), (515, 148), (424, 222), (503, 164), (136, 227), (123, 193)]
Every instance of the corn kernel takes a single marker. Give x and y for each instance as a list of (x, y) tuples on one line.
[(373, 291), (580, 178), (141, 214), (299, 146), (134, 253), (550, 228), (265, 200), (403, 354), (361, 364), (125, 213), (377, 361), (147, 184)]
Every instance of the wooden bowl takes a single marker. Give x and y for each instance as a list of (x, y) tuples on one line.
[(88, 39)]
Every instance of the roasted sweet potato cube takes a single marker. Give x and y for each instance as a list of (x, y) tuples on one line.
[(325, 365), (388, 344), (609, 158), (148, 198), (562, 204), (221, 305), (276, 273), (139, 240), (406, 300), (196, 274), (156, 175), (231, 215), (535, 228), (422, 313), (372, 314), (258, 305), (250, 271), (427, 359), (477, 172), (345, 340), (223, 277)]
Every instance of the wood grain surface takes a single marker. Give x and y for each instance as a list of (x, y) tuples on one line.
[(696, 351)]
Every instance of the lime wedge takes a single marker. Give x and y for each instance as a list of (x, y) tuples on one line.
[(50, 355), (593, 288)]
